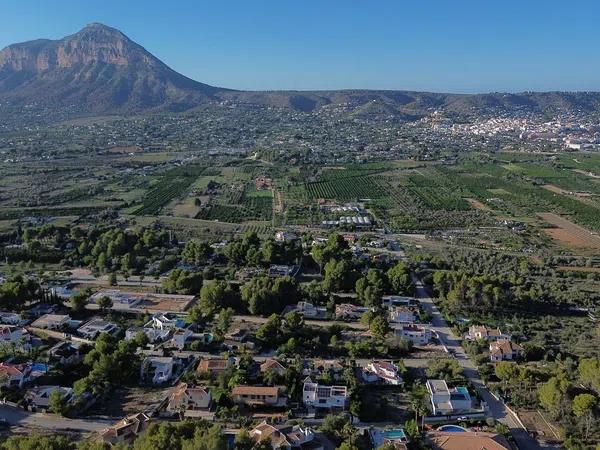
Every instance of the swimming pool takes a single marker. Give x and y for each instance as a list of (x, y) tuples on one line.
[(40, 367), (394, 434), (452, 429)]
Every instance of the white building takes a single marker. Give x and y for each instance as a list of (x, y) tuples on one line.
[(320, 396), (152, 334), (384, 371), (445, 401), (160, 367), (402, 314), (418, 335), (96, 326)]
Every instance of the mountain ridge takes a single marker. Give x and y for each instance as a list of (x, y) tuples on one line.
[(102, 70)]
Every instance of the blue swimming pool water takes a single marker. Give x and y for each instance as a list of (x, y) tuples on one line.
[(394, 434), (452, 429), (39, 367)]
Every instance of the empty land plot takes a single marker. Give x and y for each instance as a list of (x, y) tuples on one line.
[(568, 232), (535, 422)]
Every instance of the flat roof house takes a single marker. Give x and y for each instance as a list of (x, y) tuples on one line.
[(96, 326), (402, 314), (52, 321), (418, 335), (445, 401), (320, 396), (158, 368)]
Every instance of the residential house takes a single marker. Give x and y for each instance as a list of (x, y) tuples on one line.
[(96, 326), (272, 365), (283, 236), (188, 399), (477, 332), (214, 366), (154, 336), (166, 321), (52, 321), (180, 337), (258, 396), (505, 350), (418, 335), (282, 270), (398, 300), (159, 369), (238, 335), (402, 314), (286, 437), (10, 318), (66, 353), (384, 371), (125, 430), (39, 397), (307, 309), (41, 309), (12, 334), (348, 311), (331, 368), (445, 401), (14, 375), (466, 440), (319, 396)]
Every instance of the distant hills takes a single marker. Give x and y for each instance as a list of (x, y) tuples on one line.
[(102, 71)]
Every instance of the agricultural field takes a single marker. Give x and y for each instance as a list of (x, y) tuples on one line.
[(569, 233)]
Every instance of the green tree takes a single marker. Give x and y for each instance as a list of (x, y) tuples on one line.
[(507, 372), (379, 326), (589, 373), (552, 395), (105, 303), (583, 408), (399, 277), (223, 322), (57, 402)]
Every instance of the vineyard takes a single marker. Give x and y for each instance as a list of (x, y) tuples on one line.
[(436, 191), (344, 189), (172, 184)]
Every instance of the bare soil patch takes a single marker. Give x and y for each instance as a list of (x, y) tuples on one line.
[(569, 233)]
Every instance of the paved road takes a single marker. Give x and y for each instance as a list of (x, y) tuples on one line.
[(19, 417), (497, 409)]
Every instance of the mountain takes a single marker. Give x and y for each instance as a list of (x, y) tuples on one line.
[(100, 70)]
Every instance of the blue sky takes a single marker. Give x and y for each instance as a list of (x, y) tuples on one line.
[(435, 45)]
